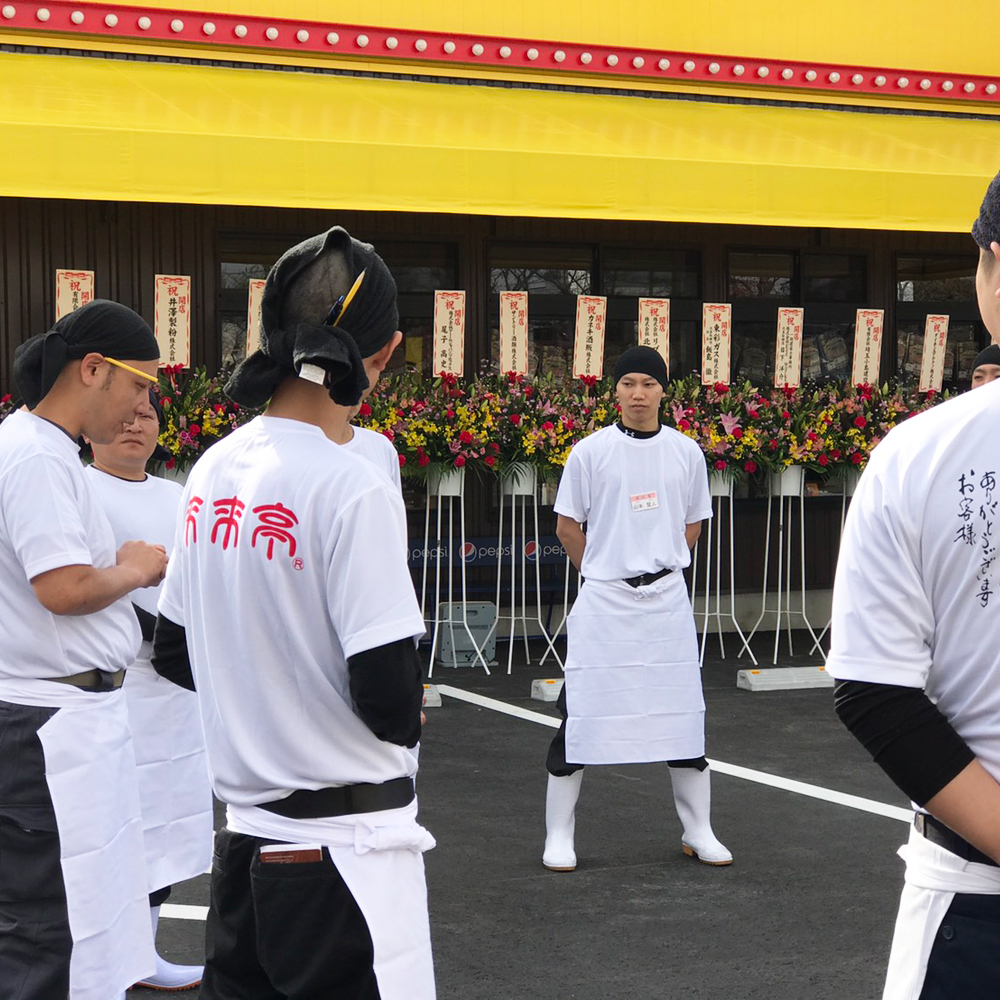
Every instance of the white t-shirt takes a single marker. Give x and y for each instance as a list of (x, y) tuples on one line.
[(50, 518), (378, 449), (290, 557), (917, 594), (636, 495), (145, 511)]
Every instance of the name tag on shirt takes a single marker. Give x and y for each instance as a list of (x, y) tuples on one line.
[(644, 501)]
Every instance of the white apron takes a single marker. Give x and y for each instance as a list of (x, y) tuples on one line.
[(933, 876), (380, 857), (174, 789), (633, 679), (91, 775)]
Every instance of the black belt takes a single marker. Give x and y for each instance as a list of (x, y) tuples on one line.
[(343, 801), (93, 680), (645, 579), (937, 833)]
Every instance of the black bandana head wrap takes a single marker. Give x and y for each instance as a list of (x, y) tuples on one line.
[(100, 326), (295, 322), (986, 229), (991, 356), (643, 360)]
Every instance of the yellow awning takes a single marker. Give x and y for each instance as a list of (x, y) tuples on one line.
[(77, 127)]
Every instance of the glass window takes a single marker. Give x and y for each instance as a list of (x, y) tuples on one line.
[(553, 277), (761, 275), (834, 278), (936, 279), (234, 282), (669, 274)]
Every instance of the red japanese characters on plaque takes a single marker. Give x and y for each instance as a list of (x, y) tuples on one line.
[(588, 346), (514, 332), (654, 327), (272, 526), (716, 342), (449, 333), (867, 346), (172, 318), (255, 294), (935, 350), (73, 289), (788, 347)]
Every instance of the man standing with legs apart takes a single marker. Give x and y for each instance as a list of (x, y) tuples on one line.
[(166, 728), (290, 588), (916, 654), (74, 917), (633, 680)]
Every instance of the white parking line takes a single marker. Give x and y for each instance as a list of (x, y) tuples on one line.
[(735, 770), (179, 911)]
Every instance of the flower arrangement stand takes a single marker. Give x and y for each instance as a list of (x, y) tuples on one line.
[(449, 489), (568, 574), (788, 489), (523, 485), (721, 489), (848, 486)]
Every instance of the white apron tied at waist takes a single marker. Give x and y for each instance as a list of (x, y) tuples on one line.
[(91, 776), (174, 788), (633, 676), (933, 877)]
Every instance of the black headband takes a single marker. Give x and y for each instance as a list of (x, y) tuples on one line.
[(991, 356), (643, 360), (100, 327), (368, 322)]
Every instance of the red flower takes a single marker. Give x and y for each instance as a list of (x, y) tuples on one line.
[(684, 424), (195, 430), (720, 465), (812, 436), (568, 423), (856, 458), (528, 391), (931, 393), (165, 401), (515, 418), (785, 415), (423, 459), (365, 411), (459, 461), (170, 463), (721, 388), (823, 460), (514, 376), (773, 445), (548, 425), (450, 414), (859, 421), (219, 408), (737, 432), (836, 453), (494, 446), (402, 460), (465, 437), (5, 400), (750, 467), (389, 433), (490, 460)]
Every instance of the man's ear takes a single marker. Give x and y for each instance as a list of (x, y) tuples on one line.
[(381, 358), (89, 365)]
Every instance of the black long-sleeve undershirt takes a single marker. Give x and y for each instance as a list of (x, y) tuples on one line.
[(386, 683), (906, 734)]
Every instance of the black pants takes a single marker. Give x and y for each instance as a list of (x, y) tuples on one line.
[(965, 959), (35, 939), (556, 760), (283, 931)]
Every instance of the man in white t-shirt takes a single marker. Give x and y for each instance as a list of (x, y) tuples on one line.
[(633, 679), (377, 448), (174, 789), (289, 587), (73, 907), (916, 654)]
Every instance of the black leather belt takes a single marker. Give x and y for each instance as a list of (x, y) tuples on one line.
[(937, 833), (93, 680), (343, 801), (645, 579)]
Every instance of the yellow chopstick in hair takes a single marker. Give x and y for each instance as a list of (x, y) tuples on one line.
[(129, 368), (350, 295)]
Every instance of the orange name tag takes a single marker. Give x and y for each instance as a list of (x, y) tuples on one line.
[(291, 854)]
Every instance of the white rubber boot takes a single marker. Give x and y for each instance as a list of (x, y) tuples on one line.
[(693, 799), (560, 821), (169, 977)]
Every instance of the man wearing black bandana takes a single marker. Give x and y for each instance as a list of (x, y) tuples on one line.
[(986, 367), (73, 907), (633, 681), (290, 588), (916, 656), (174, 790)]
